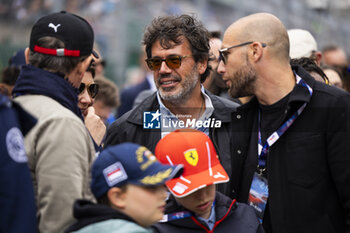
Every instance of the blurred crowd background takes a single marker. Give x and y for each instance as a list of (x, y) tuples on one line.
[(119, 24)]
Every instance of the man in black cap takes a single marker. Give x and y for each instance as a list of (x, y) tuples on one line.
[(59, 148)]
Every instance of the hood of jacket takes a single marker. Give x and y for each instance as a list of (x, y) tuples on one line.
[(88, 213), (36, 81)]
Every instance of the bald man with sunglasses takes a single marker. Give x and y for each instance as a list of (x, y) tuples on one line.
[(177, 50), (293, 136)]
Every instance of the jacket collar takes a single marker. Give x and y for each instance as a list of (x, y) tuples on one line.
[(223, 206), (299, 94), (36, 81), (222, 109)]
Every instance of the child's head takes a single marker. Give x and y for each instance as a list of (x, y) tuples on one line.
[(195, 189), (129, 178)]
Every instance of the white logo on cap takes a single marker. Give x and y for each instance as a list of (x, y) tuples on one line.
[(51, 25), (219, 175), (15, 145), (114, 174), (180, 188)]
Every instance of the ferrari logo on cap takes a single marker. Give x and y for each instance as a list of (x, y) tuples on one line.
[(191, 156)]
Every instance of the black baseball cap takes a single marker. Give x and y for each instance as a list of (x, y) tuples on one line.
[(73, 30)]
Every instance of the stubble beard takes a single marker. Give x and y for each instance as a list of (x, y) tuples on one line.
[(243, 81), (184, 93)]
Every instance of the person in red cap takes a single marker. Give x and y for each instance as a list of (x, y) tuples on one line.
[(194, 205)]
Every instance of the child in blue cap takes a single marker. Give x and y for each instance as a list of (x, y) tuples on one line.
[(128, 183)]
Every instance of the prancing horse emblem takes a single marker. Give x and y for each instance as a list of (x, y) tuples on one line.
[(191, 156), (51, 25)]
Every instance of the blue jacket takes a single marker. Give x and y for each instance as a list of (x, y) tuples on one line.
[(17, 204)]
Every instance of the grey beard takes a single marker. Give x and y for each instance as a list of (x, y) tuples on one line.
[(184, 94)]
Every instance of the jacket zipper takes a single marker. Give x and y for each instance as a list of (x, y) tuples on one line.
[(216, 223), (214, 141)]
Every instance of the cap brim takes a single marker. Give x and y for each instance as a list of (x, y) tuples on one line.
[(160, 174), (183, 186), (95, 54)]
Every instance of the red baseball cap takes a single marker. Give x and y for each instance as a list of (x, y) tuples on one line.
[(196, 152)]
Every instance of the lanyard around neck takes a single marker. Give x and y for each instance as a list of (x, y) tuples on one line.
[(181, 214), (263, 149)]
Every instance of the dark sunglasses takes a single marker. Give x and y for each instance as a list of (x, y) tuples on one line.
[(92, 89), (92, 64), (172, 61), (223, 52)]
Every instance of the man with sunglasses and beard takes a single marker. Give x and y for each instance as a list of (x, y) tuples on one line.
[(293, 135), (177, 50), (59, 147)]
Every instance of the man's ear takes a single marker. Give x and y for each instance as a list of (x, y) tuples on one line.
[(202, 66), (117, 197), (318, 58), (256, 51), (26, 55)]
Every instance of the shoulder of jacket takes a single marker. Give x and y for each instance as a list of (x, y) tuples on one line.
[(120, 226), (220, 101), (43, 107), (321, 88), (135, 115)]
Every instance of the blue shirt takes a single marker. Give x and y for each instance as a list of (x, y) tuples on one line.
[(210, 222), (172, 121)]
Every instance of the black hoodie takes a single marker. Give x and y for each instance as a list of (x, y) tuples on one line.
[(88, 213)]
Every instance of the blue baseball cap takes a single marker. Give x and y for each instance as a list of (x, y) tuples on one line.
[(129, 163), (18, 59)]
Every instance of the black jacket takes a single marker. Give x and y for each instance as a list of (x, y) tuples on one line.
[(308, 167), (88, 213), (230, 217), (129, 128)]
